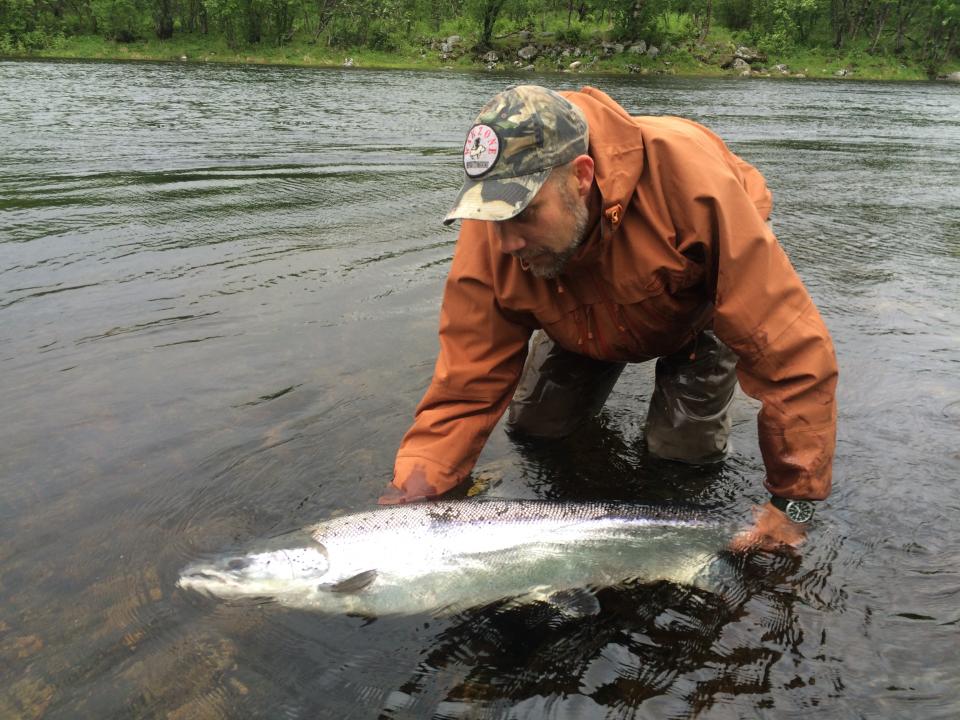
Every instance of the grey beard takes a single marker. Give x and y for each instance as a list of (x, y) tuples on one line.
[(559, 259)]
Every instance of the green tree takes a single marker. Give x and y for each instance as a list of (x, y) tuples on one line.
[(939, 24), (163, 12), (122, 20), (637, 19), (485, 13), (784, 23), (735, 14)]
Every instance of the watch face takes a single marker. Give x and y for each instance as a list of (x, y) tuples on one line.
[(800, 511)]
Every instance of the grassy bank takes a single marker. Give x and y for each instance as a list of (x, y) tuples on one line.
[(706, 59)]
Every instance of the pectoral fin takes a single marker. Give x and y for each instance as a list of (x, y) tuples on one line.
[(352, 584)]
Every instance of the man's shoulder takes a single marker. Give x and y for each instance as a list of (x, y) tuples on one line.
[(674, 127)]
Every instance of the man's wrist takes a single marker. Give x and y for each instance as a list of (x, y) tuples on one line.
[(798, 511)]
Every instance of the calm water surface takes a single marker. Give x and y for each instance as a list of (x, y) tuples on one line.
[(218, 298)]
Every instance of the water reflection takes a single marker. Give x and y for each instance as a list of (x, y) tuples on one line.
[(671, 650)]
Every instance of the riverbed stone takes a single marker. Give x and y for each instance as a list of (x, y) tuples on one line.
[(653, 51), (639, 48), (491, 57), (740, 64), (575, 65), (454, 40), (953, 77)]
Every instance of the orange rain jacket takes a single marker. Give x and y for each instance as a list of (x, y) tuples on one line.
[(682, 243)]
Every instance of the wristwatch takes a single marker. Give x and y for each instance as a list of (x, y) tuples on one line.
[(800, 511)]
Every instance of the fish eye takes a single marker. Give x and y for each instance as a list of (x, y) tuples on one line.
[(238, 564)]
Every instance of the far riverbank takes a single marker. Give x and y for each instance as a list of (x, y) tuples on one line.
[(521, 52)]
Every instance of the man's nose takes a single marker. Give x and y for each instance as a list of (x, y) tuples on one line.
[(510, 240)]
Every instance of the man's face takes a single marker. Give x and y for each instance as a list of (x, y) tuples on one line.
[(549, 230)]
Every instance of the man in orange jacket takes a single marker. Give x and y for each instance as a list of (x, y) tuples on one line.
[(613, 239)]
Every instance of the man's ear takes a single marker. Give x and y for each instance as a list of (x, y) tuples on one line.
[(583, 171)]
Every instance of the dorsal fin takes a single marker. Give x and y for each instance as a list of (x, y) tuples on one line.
[(353, 584)]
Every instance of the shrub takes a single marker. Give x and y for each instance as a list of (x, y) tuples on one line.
[(571, 36)]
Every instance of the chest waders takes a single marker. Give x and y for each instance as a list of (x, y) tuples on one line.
[(689, 415)]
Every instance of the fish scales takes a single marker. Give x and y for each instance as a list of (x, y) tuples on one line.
[(444, 556)]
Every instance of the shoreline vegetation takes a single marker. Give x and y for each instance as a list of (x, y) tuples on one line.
[(599, 57), (850, 39)]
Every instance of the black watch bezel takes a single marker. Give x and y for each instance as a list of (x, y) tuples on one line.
[(799, 511)]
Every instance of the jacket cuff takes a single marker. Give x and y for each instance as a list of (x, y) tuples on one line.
[(420, 477)]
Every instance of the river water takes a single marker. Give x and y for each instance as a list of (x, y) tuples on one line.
[(219, 289)]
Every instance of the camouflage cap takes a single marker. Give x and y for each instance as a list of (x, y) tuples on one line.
[(516, 140)]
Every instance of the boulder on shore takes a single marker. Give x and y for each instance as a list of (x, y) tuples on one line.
[(527, 53), (748, 55)]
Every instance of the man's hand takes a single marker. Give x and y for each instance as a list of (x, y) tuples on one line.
[(415, 489), (392, 495), (771, 529)]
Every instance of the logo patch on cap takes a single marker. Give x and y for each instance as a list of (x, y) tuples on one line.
[(481, 150)]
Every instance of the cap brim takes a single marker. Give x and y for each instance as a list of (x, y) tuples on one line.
[(496, 198)]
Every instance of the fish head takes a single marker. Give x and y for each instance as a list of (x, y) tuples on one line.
[(273, 573)]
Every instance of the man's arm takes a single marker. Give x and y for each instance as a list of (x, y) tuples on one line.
[(764, 313), (481, 356)]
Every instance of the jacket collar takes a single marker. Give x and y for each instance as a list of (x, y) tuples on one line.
[(616, 146)]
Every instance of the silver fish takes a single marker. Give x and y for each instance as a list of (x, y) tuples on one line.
[(442, 557)]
